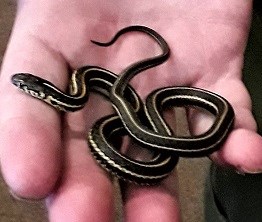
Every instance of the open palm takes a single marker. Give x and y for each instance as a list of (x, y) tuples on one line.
[(44, 154)]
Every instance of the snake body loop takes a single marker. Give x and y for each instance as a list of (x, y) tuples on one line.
[(162, 138)]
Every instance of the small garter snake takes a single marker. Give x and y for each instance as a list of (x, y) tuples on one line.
[(143, 122), (100, 137)]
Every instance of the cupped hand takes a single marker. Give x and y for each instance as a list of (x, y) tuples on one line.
[(44, 154)]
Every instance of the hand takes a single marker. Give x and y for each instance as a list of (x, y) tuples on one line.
[(45, 155)]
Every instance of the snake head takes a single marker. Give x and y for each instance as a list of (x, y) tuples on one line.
[(25, 79), (29, 83)]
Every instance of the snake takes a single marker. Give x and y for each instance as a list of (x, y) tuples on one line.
[(96, 79), (142, 121)]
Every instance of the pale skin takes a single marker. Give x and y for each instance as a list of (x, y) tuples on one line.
[(45, 154)]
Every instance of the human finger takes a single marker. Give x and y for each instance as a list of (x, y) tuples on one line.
[(85, 191), (242, 149), (152, 203), (30, 143)]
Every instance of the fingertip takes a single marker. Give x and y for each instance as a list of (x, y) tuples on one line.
[(153, 203), (82, 194), (242, 150), (79, 202), (30, 158)]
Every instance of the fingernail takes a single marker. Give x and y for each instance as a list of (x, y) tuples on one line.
[(240, 172), (248, 171)]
